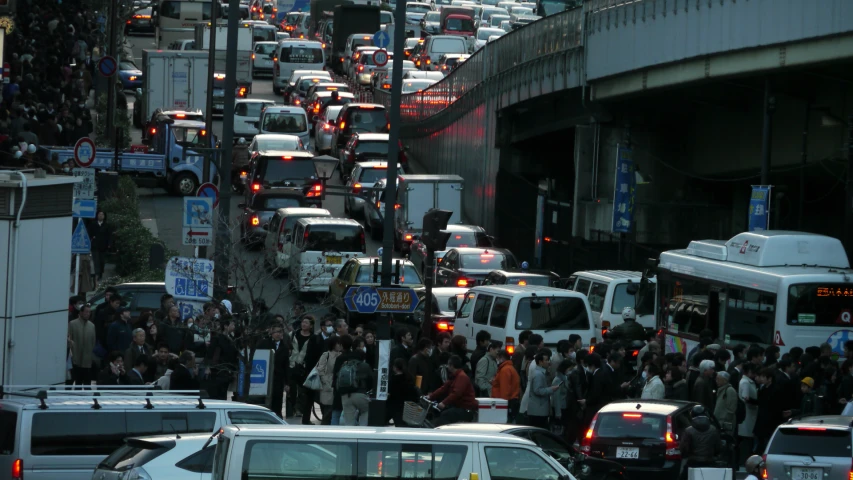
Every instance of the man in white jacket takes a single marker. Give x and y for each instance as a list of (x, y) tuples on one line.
[(748, 392), (654, 388)]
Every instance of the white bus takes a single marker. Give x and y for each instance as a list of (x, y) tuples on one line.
[(176, 19), (788, 289)]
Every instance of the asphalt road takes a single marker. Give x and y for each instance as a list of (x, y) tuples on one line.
[(162, 213)]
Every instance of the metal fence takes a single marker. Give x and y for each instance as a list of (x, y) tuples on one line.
[(547, 36)]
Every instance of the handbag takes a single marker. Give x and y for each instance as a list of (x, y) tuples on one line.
[(312, 382)]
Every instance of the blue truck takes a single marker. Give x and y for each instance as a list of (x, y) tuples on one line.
[(170, 162)]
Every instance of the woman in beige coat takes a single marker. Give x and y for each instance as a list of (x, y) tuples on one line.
[(325, 368)]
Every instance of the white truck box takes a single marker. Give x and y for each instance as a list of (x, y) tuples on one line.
[(174, 80), (244, 49), (418, 193)]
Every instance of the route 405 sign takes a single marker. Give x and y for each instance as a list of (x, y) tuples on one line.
[(367, 300)]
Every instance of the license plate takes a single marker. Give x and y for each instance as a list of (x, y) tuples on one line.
[(333, 260), (143, 22), (218, 105), (798, 473), (626, 452), (243, 176)]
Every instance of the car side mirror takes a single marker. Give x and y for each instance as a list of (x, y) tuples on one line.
[(241, 205), (453, 303), (288, 238), (632, 288), (315, 118)]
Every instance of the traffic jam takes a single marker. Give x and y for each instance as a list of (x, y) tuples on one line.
[(727, 359)]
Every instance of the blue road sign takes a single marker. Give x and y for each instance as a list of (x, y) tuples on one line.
[(189, 278), (80, 243), (84, 208), (107, 66), (381, 39), (198, 212), (259, 371), (367, 300)]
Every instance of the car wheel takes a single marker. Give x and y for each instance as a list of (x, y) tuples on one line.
[(185, 184)]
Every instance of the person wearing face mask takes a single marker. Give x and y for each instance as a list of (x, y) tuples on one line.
[(654, 388), (420, 365), (300, 340)]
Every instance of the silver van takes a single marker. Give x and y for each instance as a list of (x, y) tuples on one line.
[(54, 433), (321, 247), (811, 448)]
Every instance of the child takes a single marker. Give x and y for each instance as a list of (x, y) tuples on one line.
[(810, 404)]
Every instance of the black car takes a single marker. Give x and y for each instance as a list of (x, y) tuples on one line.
[(358, 118), (644, 436), (257, 213), (468, 267), (280, 168), (580, 466), (542, 278)]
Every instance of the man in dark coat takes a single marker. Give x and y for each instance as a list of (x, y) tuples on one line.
[(281, 362), (184, 376), (420, 365)]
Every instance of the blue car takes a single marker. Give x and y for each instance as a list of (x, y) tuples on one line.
[(130, 75)]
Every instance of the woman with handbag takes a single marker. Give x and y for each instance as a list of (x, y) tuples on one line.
[(300, 340), (325, 371)]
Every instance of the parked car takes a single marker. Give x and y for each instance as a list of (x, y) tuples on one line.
[(811, 448)]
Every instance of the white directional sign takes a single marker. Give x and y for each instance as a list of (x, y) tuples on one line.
[(189, 278), (84, 208), (84, 189), (197, 221)]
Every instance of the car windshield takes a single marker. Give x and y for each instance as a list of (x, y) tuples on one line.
[(369, 120), (552, 313), (459, 25), (449, 45), (301, 55), (823, 442), (409, 275), (630, 425), (370, 176), (379, 149), (497, 19), (432, 16), (249, 109), (468, 239), (292, 18), (485, 33), (285, 122), (273, 203), (486, 261), (291, 142), (413, 86), (361, 42), (307, 82), (263, 34), (264, 48), (127, 66), (296, 171), (334, 238), (189, 136)]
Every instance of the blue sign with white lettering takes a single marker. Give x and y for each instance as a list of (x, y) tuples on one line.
[(259, 371), (759, 209), (362, 299), (198, 211), (80, 243), (367, 300), (381, 39), (624, 191), (189, 278)]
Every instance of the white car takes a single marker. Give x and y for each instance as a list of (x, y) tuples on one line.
[(276, 141), (423, 75), (247, 112), (483, 35), (419, 85), (279, 36), (324, 127), (176, 457), (262, 62), (364, 175)]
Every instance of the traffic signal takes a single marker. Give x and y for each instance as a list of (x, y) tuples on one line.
[(435, 221)]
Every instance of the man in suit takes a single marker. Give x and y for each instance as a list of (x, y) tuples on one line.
[(281, 363), (185, 376), (137, 348), (135, 376)]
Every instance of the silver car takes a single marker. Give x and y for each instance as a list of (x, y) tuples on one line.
[(276, 141), (262, 62), (460, 236), (364, 175), (811, 448), (324, 127)]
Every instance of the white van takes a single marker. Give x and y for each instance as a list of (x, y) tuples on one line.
[(507, 310), (278, 245), (71, 432), (609, 291), (286, 120), (293, 55), (366, 452), (321, 246)]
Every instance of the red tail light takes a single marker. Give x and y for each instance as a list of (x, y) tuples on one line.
[(255, 221), (444, 326), (18, 469), (510, 345), (318, 188), (256, 186), (356, 188), (253, 56), (634, 353), (428, 60), (408, 237), (363, 243), (764, 467), (586, 441), (327, 127), (153, 131), (361, 68), (396, 206), (673, 451), (462, 282), (850, 475)]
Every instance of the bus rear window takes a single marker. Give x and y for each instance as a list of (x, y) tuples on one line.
[(552, 313), (820, 304)]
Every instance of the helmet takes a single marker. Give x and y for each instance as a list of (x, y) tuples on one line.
[(752, 463), (525, 265), (19, 154), (241, 141), (31, 148), (628, 313), (698, 411)]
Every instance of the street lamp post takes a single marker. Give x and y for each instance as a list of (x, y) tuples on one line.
[(325, 166)]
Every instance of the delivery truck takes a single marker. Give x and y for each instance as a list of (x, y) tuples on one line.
[(171, 80), (416, 194), (244, 51), (351, 19)]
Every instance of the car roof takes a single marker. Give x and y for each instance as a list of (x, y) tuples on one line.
[(485, 427), (254, 100), (822, 421), (364, 260), (268, 42), (329, 93), (657, 407), (285, 153), (515, 273), (188, 123), (479, 250), (284, 109), (608, 275), (402, 435), (372, 136), (453, 227), (329, 221), (528, 289), (320, 212), (276, 136), (362, 105), (373, 164)]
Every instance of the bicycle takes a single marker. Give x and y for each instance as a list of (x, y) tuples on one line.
[(421, 414)]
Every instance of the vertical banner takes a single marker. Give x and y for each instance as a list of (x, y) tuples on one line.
[(624, 190), (382, 369), (759, 208)]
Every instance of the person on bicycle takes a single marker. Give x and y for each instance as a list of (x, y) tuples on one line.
[(458, 402)]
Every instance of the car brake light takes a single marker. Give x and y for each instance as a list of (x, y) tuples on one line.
[(812, 429), (635, 353), (408, 237), (255, 221), (850, 475), (386, 86), (324, 46), (153, 131), (673, 452), (343, 124), (586, 441), (18, 469), (444, 326), (180, 115), (356, 56), (396, 206), (356, 188), (297, 102), (428, 61), (510, 345), (287, 158), (632, 415), (764, 466), (256, 186), (318, 188), (462, 282), (327, 127), (253, 56)]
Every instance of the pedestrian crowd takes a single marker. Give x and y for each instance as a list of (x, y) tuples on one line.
[(52, 56)]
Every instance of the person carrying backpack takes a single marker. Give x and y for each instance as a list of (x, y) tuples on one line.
[(353, 382)]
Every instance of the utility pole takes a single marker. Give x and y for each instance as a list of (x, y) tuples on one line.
[(767, 134), (435, 239), (208, 116), (112, 50), (848, 210), (223, 233), (383, 326)]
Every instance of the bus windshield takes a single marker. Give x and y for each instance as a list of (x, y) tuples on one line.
[(820, 304)]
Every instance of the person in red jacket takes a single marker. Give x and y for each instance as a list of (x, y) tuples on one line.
[(458, 402)]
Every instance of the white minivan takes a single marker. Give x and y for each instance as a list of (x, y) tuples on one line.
[(507, 310), (260, 452), (321, 246), (609, 291), (286, 120), (278, 245), (293, 55)]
